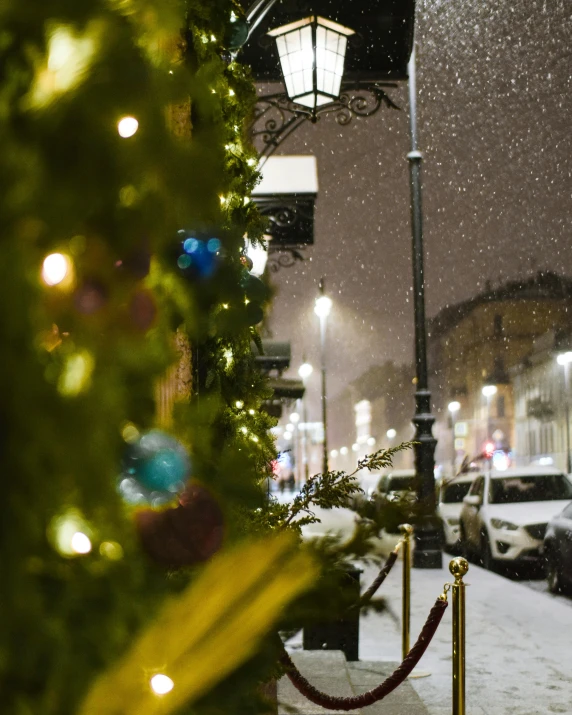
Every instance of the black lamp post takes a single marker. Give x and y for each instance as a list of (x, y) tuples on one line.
[(428, 530)]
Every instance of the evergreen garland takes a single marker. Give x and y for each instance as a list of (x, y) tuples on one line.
[(82, 358)]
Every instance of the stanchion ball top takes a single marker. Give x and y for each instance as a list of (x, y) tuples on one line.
[(459, 567), (406, 529)]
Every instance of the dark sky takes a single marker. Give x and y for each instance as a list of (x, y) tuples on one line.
[(494, 86)]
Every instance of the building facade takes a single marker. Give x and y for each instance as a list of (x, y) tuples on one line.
[(475, 345)]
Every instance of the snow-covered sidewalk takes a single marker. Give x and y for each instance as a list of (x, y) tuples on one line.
[(519, 643)]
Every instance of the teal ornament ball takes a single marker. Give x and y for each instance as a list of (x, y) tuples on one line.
[(155, 469)]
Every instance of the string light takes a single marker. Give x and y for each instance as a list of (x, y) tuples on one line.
[(161, 684), (127, 126), (239, 404), (80, 543), (55, 269)]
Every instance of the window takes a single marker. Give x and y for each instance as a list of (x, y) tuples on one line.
[(515, 490), (477, 487), (455, 493)]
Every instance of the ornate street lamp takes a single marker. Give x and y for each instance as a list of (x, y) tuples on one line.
[(338, 58), (312, 53)]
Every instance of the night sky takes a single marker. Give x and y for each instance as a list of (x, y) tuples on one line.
[(494, 87)]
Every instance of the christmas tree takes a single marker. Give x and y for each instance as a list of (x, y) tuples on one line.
[(128, 319)]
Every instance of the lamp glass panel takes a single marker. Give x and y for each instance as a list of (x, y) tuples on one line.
[(330, 55), (322, 99), (308, 100), (296, 53)]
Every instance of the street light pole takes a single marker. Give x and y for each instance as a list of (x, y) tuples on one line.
[(565, 359), (305, 370), (428, 530), (322, 310)]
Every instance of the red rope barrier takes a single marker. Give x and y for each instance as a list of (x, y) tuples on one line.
[(388, 685), (370, 593)]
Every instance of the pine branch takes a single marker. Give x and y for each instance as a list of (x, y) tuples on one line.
[(334, 489)]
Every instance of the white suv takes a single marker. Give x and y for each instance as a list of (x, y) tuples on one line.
[(504, 515), (450, 495)]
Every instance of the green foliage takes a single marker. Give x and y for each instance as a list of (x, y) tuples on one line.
[(82, 358), (330, 490)]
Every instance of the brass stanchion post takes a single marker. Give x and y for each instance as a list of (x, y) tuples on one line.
[(458, 567), (407, 531)]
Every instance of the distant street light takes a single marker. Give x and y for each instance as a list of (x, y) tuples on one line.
[(453, 408), (322, 310), (489, 390), (305, 370), (391, 434), (565, 359)]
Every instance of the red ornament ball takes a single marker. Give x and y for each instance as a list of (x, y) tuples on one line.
[(187, 534)]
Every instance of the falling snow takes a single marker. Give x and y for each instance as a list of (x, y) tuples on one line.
[(494, 84)]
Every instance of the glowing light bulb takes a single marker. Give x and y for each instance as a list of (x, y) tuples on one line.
[(391, 434), (231, 92), (127, 126), (239, 404), (80, 543), (55, 268), (161, 684), (323, 306)]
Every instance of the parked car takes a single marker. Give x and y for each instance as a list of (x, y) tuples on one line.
[(397, 485), (505, 514), (558, 551), (450, 494), (394, 501)]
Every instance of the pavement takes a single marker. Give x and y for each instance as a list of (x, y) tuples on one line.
[(518, 650)]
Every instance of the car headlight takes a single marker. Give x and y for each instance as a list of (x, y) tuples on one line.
[(452, 521), (501, 524)]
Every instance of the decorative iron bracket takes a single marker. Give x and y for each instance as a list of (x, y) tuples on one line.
[(283, 257), (276, 117)]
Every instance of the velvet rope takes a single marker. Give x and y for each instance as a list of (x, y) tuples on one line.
[(380, 578), (379, 692)]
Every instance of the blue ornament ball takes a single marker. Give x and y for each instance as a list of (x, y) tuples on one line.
[(155, 468), (199, 254)]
